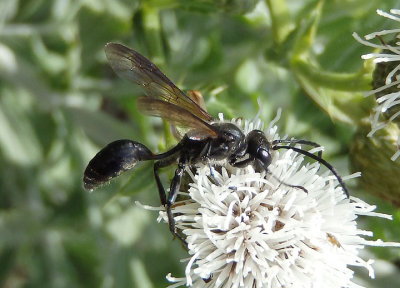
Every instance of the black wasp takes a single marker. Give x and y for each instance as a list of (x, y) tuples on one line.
[(205, 140)]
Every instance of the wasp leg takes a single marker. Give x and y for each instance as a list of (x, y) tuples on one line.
[(157, 165), (175, 184), (289, 185), (173, 193), (242, 163), (204, 155), (212, 175), (251, 160)]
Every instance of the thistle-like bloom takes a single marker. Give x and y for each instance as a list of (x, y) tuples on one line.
[(249, 229), (386, 74)]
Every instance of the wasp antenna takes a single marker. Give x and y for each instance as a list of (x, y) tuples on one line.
[(320, 160)]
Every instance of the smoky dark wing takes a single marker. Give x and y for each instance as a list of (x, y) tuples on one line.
[(197, 98), (131, 65), (176, 115)]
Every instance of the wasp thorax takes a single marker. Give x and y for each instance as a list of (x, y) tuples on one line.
[(230, 142)]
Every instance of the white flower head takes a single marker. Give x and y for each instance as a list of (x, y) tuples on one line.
[(250, 229), (389, 90)]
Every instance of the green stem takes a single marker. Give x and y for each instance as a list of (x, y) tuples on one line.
[(305, 36), (360, 81), (282, 23), (169, 139), (152, 34)]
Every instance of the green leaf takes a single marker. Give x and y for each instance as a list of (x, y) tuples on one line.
[(339, 94)]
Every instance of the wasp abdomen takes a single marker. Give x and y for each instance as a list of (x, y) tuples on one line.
[(112, 160)]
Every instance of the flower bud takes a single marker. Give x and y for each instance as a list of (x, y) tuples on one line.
[(371, 156), (385, 74)]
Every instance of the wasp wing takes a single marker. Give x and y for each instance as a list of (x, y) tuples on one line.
[(131, 65), (197, 97), (199, 100), (177, 116)]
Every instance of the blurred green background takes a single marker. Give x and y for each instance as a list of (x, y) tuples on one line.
[(60, 102)]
